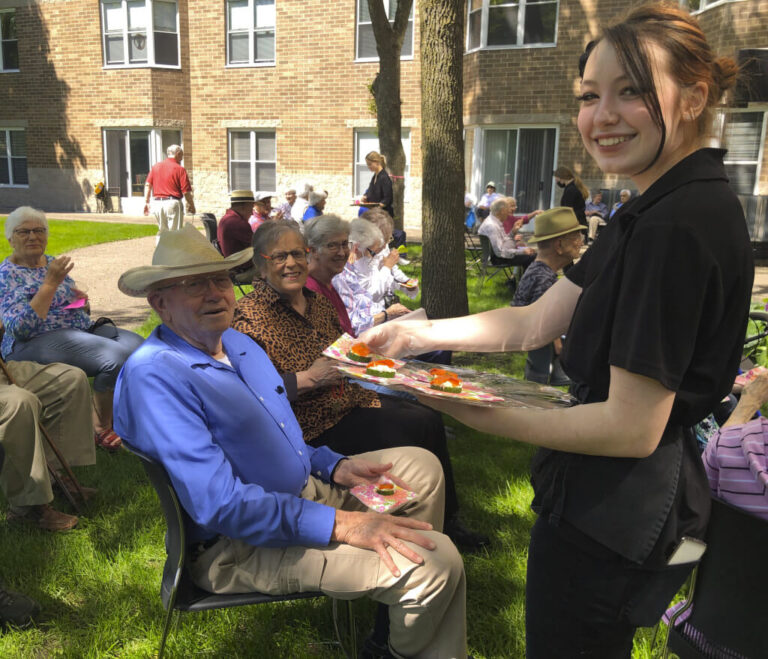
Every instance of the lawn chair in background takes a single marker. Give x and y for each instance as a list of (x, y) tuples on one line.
[(472, 252), (727, 605), (210, 225), (178, 591), (54, 473), (491, 265)]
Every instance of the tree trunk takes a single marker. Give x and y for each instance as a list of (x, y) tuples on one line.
[(386, 91), (444, 278)]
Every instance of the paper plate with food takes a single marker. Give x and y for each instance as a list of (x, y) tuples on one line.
[(381, 371), (446, 384), (349, 350), (384, 496)]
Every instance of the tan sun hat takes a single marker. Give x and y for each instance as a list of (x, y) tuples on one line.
[(178, 254), (555, 222), (241, 196)]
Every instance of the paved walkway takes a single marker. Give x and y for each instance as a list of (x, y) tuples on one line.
[(99, 266)]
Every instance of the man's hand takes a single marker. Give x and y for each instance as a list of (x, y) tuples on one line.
[(396, 310), (396, 339), (377, 532), (146, 208), (356, 471)]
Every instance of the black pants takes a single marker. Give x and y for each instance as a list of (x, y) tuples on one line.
[(397, 422), (580, 604)]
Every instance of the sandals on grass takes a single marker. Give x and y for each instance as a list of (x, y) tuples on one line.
[(108, 439)]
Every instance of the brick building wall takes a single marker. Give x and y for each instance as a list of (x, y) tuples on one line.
[(314, 97)]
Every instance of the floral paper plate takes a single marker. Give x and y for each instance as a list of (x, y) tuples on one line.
[(340, 347), (379, 502), (469, 393)]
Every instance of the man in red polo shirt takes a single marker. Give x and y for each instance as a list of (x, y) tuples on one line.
[(166, 184), (234, 233)]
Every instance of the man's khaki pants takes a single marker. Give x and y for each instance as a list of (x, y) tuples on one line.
[(427, 608), (169, 214), (60, 397)]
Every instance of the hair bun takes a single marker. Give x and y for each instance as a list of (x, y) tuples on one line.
[(725, 71)]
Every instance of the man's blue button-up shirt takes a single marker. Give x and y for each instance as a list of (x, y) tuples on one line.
[(227, 438)]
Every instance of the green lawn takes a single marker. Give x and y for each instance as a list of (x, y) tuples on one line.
[(99, 584), (66, 235)]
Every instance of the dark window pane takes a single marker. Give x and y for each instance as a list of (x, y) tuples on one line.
[(241, 176), (475, 26), (540, 23), (366, 42), (137, 47), (742, 178), (241, 146), (265, 146), (238, 48), (8, 25), (3, 144), (166, 48), (363, 178), (266, 178), (18, 143), (115, 50), (264, 46), (164, 14), (19, 166), (502, 26), (4, 176), (10, 54), (407, 49)]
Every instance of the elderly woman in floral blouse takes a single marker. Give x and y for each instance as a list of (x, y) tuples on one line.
[(293, 325), (42, 311)]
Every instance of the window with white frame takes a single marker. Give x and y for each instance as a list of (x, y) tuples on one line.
[(9, 51), (140, 32), (366, 41), (744, 137), (507, 23), (367, 140), (250, 32), (13, 157), (252, 161)]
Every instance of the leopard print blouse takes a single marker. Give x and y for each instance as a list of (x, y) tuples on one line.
[(293, 342)]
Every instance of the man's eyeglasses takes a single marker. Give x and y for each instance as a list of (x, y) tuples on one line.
[(279, 258), (199, 286), (335, 247), (25, 233)]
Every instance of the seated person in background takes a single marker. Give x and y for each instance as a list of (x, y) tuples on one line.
[(352, 283), (234, 231), (596, 212), (504, 246), (59, 396), (514, 222), (303, 188), (624, 196), (270, 513), (736, 459), (390, 277), (285, 207), (484, 205), (293, 325), (559, 239), (42, 325), (262, 210), (316, 201)]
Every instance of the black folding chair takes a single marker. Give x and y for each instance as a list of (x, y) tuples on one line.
[(211, 225), (178, 591), (491, 265), (472, 252), (727, 602)]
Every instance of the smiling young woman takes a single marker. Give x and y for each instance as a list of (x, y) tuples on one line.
[(654, 315)]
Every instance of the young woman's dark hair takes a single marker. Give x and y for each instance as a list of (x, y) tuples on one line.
[(690, 58)]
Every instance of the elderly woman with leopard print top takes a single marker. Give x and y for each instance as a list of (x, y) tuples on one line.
[(294, 325)]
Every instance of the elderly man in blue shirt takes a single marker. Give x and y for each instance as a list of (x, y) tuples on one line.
[(271, 513)]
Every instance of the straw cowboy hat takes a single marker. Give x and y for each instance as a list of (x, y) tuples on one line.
[(241, 196), (178, 254), (555, 222)]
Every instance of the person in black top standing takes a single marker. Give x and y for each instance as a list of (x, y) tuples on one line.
[(655, 313), (575, 192), (380, 189)]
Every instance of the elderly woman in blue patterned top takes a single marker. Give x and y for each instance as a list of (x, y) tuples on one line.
[(45, 322)]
